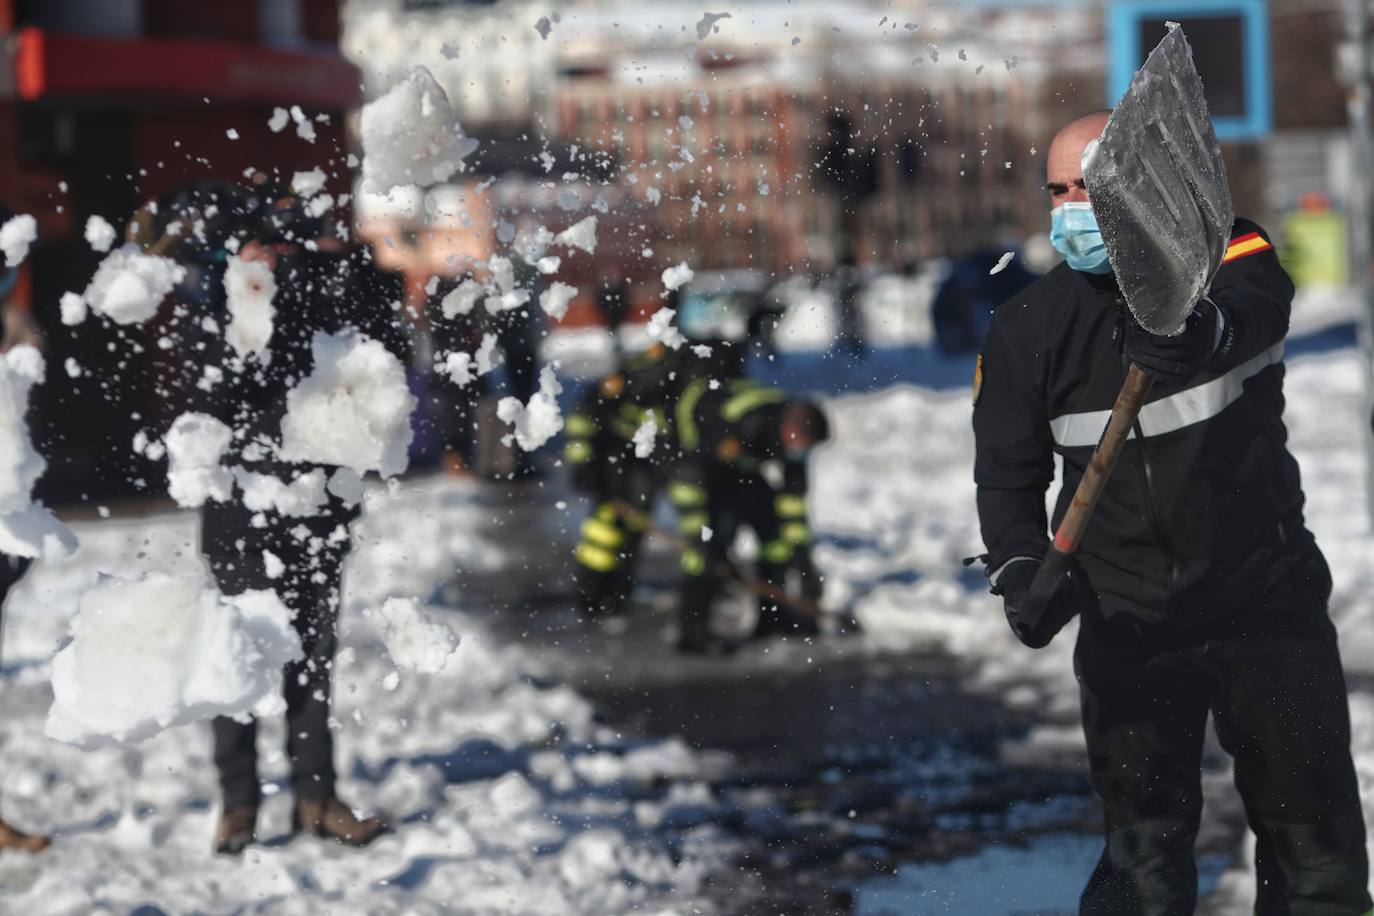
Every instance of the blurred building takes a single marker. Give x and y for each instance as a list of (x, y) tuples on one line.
[(105, 104)]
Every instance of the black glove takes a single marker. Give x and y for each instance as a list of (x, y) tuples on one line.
[(1177, 358), (1035, 628)]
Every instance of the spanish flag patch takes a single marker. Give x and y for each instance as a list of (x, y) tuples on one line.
[(1243, 245)]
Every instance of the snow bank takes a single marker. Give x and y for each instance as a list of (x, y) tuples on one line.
[(353, 410), (26, 529), (128, 286), (196, 444), (164, 650), (415, 640), (410, 136), (538, 421), (249, 287), (16, 235)]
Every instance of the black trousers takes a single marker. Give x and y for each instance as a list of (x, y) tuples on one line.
[(1270, 674), (608, 550), (233, 547)]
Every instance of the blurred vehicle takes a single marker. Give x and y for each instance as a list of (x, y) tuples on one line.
[(963, 305), (723, 305)]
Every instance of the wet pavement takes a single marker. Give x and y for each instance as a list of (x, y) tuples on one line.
[(890, 787)]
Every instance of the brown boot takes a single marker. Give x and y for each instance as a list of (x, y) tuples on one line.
[(11, 838), (238, 827), (332, 819)]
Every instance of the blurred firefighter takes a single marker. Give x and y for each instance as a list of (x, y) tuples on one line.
[(323, 285), (602, 449), (743, 448), (17, 328)]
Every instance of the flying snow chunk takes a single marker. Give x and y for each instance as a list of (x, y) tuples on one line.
[(16, 235), (645, 437), (280, 118), (353, 410), (459, 367), (73, 308), (548, 265), (304, 129), (461, 299), (1002, 262), (415, 640), (26, 528), (582, 235), (196, 444), (538, 421), (308, 184), (660, 328), (231, 134), (543, 27), (410, 136), (674, 277), (129, 285), (164, 650), (302, 497), (249, 287), (707, 23), (554, 300), (100, 235), (486, 354)]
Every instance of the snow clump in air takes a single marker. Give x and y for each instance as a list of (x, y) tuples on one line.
[(581, 235), (73, 308), (415, 640), (645, 437), (461, 299), (538, 421), (249, 287), (100, 235), (16, 235), (196, 444), (353, 410), (554, 300), (674, 277), (459, 367), (164, 650), (27, 529), (1002, 263), (660, 328), (303, 496), (129, 285), (410, 136)]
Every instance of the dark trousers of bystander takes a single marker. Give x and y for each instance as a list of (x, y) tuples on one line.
[(1270, 675), (312, 551)]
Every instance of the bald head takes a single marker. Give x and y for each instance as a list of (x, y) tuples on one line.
[(1063, 167)]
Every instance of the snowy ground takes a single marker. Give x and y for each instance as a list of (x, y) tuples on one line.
[(509, 798)]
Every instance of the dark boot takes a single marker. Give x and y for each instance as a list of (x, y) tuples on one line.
[(238, 827), (332, 819), (10, 838)]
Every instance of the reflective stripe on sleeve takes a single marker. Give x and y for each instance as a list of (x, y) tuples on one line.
[(790, 505), (597, 559)]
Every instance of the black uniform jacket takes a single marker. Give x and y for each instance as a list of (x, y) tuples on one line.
[(1204, 509)]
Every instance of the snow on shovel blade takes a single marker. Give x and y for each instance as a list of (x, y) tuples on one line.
[(1158, 189)]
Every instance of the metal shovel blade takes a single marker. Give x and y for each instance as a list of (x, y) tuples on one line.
[(1158, 188)]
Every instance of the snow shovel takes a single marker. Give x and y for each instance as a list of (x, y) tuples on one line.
[(1159, 192), (726, 569)]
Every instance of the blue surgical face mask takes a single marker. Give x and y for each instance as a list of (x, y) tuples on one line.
[(1074, 234)]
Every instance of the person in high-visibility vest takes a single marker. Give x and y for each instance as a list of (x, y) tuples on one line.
[(743, 449)]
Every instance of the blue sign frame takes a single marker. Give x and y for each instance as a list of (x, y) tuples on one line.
[(1123, 30)]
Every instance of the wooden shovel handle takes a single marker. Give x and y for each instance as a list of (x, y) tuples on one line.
[(1072, 527)]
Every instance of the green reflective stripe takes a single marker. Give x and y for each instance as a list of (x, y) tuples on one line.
[(686, 495), (687, 432), (790, 505), (597, 559), (693, 562), (796, 533), (601, 533), (752, 399), (578, 452), (579, 425), (635, 521), (692, 522), (778, 551)]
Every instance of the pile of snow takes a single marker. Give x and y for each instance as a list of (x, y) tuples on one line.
[(16, 235), (538, 421), (196, 444), (249, 287), (410, 136), (353, 410), (415, 640), (162, 650), (129, 285), (26, 529)]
